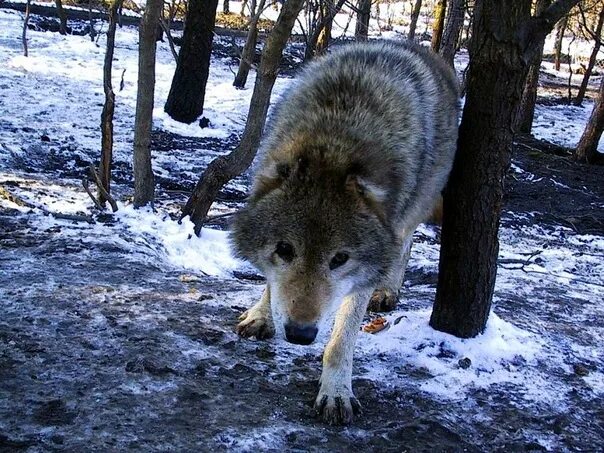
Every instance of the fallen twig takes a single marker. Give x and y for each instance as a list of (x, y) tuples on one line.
[(4, 193), (211, 219), (99, 185), (90, 194)]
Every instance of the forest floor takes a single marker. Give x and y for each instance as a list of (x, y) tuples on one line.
[(117, 331)]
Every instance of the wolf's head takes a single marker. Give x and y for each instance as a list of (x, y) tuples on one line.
[(318, 231)]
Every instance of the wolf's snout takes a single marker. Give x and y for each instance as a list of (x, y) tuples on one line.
[(300, 333)]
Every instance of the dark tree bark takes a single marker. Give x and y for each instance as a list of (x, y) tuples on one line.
[(223, 169), (361, 30), (24, 33), (226, 7), (529, 95), (597, 37), (504, 39), (320, 36), (560, 29), (324, 38), (249, 49), (109, 107), (90, 21), (455, 18), (417, 7), (587, 149), (62, 17), (187, 92), (144, 184), (440, 8)]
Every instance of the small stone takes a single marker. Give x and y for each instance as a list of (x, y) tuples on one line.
[(580, 369), (204, 122), (45, 138), (464, 363)]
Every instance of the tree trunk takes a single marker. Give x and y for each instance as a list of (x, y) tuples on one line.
[(417, 7), (249, 49), (455, 18), (223, 169), (529, 95), (504, 38), (109, 107), (144, 184), (90, 21), (62, 17), (324, 38), (319, 39), (440, 7), (243, 5), (363, 15), (24, 33), (187, 92), (587, 149), (225, 7), (592, 59), (560, 29)]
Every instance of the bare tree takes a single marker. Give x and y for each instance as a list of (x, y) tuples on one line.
[(62, 17), (560, 29), (108, 108), (526, 114), (596, 35), (225, 7), (223, 169), (505, 39), (587, 149), (249, 49), (361, 30), (319, 34), (24, 33), (440, 8), (90, 21), (417, 7), (187, 92), (143, 171), (455, 18)]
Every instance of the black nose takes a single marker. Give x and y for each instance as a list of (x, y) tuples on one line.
[(300, 334)]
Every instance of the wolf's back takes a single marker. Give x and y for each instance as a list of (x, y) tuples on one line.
[(389, 110)]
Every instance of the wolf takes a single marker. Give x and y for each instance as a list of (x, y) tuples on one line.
[(355, 157)]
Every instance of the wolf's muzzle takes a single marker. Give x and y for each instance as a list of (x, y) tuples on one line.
[(300, 334)]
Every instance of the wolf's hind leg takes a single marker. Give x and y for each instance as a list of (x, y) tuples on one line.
[(258, 320), (385, 297)]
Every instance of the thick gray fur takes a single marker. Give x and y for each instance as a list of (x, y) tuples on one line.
[(355, 157)]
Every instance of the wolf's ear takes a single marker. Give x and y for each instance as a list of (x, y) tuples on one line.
[(270, 179), (370, 194), (366, 189)]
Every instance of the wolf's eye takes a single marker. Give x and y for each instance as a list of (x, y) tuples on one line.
[(338, 260), (285, 251)]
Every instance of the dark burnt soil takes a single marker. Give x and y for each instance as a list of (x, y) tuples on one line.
[(103, 350), (554, 189)]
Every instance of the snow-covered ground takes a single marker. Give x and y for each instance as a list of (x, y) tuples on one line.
[(545, 362)]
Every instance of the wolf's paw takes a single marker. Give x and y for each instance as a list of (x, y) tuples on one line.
[(338, 407), (255, 323), (383, 300)]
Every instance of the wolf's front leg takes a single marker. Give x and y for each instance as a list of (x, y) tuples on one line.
[(336, 402), (258, 320)]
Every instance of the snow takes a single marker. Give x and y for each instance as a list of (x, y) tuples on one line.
[(209, 253), (562, 124), (495, 355)]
